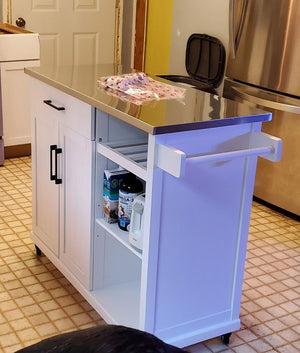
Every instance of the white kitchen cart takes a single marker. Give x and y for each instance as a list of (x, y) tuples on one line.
[(185, 286)]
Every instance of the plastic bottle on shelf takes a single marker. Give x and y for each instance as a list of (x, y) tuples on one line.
[(130, 187)]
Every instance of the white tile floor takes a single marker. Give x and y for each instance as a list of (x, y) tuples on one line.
[(36, 301)]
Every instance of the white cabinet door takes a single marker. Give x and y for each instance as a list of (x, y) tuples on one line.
[(45, 192), (62, 207), (75, 207), (16, 115)]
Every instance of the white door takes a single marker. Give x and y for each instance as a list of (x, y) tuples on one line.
[(71, 31)]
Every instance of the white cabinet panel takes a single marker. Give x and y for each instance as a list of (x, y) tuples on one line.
[(15, 107), (62, 207), (76, 204), (85, 48), (45, 5), (19, 47), (50, 44), (86, 5), (45, 191)]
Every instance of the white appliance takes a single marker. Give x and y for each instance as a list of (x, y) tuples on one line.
[(1, 134), (136, 227), (18, 48)]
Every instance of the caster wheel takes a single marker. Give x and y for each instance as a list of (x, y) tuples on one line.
[(225, 338), (38, 251)]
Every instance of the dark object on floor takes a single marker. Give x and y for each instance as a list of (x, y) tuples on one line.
[(38, 251), (103, 339)]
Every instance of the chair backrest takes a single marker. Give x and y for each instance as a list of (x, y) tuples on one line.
[(205, 59)]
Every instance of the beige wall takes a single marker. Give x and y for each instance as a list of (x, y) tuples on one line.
[(196, 16)]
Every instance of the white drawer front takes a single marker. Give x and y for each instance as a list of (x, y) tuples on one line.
[(74, 113)]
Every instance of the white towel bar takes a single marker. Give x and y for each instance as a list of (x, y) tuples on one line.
[(174, 161), (228, 155)]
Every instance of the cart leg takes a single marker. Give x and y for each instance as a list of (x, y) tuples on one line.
[(38, 250), (225, 338)]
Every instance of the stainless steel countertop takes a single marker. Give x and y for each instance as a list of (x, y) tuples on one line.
[(198, 110)]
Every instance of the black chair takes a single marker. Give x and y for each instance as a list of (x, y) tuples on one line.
[(204, 62)]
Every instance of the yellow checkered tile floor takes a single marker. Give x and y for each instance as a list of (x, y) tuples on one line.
[(36, 301)]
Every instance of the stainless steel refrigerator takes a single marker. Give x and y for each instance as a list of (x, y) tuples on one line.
[(264, 68)]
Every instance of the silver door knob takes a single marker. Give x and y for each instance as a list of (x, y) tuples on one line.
[(20, 22)]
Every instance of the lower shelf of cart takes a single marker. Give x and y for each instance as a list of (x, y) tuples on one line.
[(121, 302)]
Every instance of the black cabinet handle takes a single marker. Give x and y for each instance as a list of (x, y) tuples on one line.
[(53, 175), (49, 102), (57, 180)]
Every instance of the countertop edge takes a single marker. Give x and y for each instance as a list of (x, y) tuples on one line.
[(247, 119), (153, 130)]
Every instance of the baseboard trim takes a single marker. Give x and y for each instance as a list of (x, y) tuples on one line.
[(17, 151), (277, 208)]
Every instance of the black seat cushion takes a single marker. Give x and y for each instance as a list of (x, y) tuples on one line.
[(102, 339)]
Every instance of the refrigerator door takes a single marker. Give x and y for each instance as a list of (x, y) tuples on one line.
[(265, 44), (1, 152), (277, 183)]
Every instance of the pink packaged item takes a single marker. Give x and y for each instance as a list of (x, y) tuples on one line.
[(138, 88)]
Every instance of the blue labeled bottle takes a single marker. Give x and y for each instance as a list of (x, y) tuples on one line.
[(130, 188)]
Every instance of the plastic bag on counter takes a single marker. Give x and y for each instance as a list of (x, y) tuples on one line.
[(138, 88)]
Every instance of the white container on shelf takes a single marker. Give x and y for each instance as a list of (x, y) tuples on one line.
[(137, 224)]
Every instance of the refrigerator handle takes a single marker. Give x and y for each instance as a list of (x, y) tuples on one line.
[(235, 33), (289, 108), (232, 29)]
